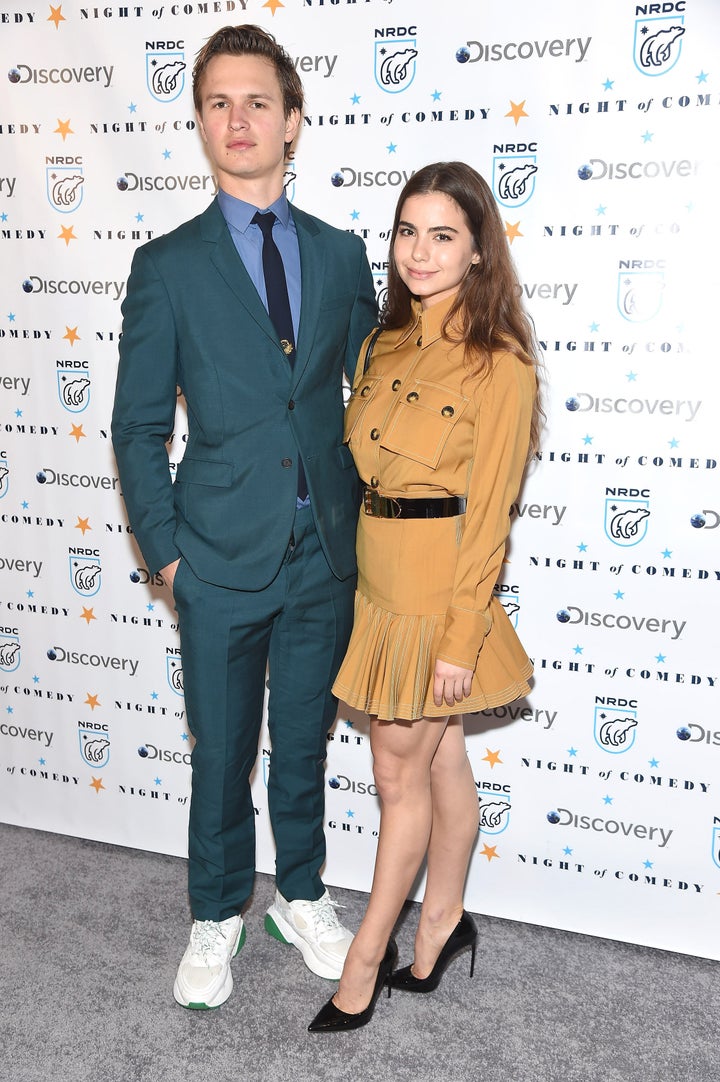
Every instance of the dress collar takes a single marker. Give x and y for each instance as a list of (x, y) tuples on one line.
[(240, 214), (428, 321)]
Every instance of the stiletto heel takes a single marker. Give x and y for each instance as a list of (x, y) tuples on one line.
[(463, 935), (330, 1019)]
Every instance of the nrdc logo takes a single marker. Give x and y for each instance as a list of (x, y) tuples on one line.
[(165, 70), (626, 520), (513, 180), (494, 811), (9, 651), (640, 294), (615, 727), (85, 572), (64, 185), (73, 389), (658, 43), (509, 598), (4, 476), (289, 178), (381, 289), (395, 58), (94, 747), (173, 668), (716, 841)]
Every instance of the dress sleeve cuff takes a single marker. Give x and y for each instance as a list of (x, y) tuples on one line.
[(465, 631)]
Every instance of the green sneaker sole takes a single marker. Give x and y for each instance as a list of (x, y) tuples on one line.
[(272, 929)]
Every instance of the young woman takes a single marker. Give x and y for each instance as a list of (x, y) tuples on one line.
[(441, 420)]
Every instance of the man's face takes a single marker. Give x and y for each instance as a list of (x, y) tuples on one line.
[(243, 124)]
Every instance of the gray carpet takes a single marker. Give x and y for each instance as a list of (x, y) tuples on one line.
[(92, 934)]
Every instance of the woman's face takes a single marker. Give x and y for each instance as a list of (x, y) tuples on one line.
[(433, 247)]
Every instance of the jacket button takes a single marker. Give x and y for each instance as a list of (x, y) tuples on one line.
[(291, 404), (374, 482), (286, 463), (419, 341), (413, 396), (396, 384), (375, 434), (365, 391), (448, 411)]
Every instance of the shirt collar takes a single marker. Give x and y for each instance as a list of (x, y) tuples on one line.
[(239, 214), (428, 320)]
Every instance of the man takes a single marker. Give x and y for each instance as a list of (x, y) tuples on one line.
[(256, 537)]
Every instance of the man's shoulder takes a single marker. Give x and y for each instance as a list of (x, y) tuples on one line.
[(329, 233)]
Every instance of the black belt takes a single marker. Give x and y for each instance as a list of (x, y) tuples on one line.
[(394, 507)]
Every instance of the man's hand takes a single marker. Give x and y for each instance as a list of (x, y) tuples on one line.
[(168, 573), (451, 684)]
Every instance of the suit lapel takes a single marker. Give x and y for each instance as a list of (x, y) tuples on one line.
[(312, 270)]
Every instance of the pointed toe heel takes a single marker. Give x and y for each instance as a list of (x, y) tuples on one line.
[(463, 935), (330, 1019)]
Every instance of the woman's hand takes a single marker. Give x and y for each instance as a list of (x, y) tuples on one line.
[(451, 684)]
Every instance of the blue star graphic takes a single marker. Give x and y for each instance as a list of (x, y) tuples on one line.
[(3, 217), (608, 799), (355, 214), (660, 658), (158, 781), (184, 736), (647, 864), (608, 84), (25, 505), (139, 217), (167, 154), (567, 851), (647, 137), (9, 709), (350, 814), (30, 593), (572, 752), (132, 107), (588, 439), (436, 95), (153, 694), (601, 209), (702, 77), (150, 607), (594, 327), (42, 762), (674, 443), (11, 317), (391, 148), (654, 763), (18, 413), (582, 547), (619, 595), (355, 99), (631, 377), (36, 679), (577, 649), (666, 554), (348, 724)]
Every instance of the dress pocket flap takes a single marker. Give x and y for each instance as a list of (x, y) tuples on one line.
[(423, 420)]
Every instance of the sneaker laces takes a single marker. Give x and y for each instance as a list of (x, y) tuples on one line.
[(207, 939), (325, 919)]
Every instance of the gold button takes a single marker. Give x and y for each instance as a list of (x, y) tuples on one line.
[(365, 391), (375, 434), (413, 396), (396, 384), (374, 482), (448, 411)]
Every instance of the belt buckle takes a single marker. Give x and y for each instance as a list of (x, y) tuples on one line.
[(394, 508), (369, 502)]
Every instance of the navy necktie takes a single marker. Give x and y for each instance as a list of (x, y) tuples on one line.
[(278, 303)]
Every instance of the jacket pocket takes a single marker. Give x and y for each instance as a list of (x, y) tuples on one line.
[(197, 471), (423, 420), (358, 401)]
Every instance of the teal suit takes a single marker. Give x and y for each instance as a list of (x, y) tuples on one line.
[(258, 580)]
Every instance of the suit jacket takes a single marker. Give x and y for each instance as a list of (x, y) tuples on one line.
[(193, 319)]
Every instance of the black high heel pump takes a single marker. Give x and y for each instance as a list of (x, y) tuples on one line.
[(463, 935), (330, 1019)]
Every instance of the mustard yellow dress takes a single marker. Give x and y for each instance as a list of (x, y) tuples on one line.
[(419, 427)]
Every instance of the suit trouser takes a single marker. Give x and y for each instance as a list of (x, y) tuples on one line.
[(298, 628)]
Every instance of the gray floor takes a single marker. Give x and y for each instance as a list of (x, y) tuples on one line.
[(92, 933)]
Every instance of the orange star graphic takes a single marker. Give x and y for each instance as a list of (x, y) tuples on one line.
[(92, 701), (66, 234), (72, 335), (516, 111), (97, 785), (56, 16), (87, 615), (492, 757), (77, 432), (82, 523), (512, 230), (273, 5), (63, 129), (489, 851)]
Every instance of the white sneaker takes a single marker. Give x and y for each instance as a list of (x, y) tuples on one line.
[(314, 929), (203, 978)]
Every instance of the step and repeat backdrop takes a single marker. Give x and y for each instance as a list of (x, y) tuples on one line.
[(596, 126)]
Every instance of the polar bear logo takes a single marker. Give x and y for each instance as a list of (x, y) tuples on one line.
[(656, 50), (513, 184)]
